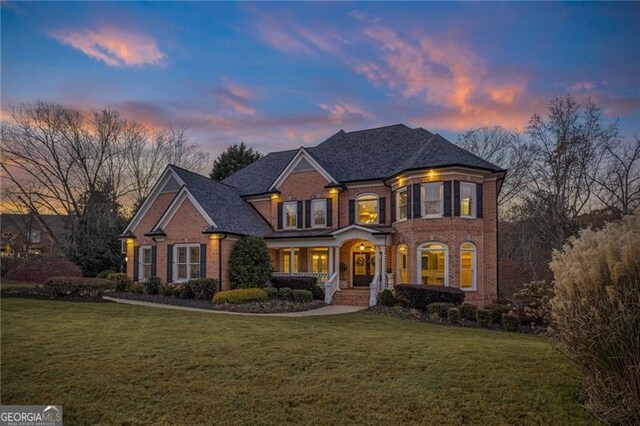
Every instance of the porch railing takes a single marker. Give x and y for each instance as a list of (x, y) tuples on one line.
[(322, 277), (330, 287)]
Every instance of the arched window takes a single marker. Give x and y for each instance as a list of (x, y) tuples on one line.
[(367, 209), (402, 265), (468, 266), (433, 264)]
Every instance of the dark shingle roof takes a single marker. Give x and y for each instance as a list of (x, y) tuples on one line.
[(364, 155), (224, 205)]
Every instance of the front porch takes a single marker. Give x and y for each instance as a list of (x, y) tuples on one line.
[(350, 264)]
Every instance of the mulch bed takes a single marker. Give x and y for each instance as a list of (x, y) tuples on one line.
[(416, 315), (266, 307)]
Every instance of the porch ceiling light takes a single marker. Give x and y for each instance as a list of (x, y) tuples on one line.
[(361, 246)]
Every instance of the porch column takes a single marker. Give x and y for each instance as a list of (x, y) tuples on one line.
[(292, 253), (383, 266), (330, 261), (336, 263)]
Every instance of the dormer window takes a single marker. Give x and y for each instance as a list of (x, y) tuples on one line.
[(367, 209), (290, 212)]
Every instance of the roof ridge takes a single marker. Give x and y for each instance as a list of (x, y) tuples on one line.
[(203, 176), (378, 128)]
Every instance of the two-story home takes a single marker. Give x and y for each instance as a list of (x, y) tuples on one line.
[(361, 211)]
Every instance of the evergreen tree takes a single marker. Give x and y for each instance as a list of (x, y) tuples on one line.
[(234, 158)]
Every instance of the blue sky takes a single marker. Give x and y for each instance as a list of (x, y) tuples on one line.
[(281, 75)]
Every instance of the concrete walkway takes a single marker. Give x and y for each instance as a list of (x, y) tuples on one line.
[(325, 310)]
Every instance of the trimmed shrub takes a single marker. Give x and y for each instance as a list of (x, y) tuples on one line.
[(419, 296), (596, 316), (318, 292), (185, 292), (511, 322), (497, 311), (302, 296), (168, 290), (453, 315), (123, 282), (468, 312), (294, 283), (38, 268), (241, 295), (249, 263), (386, 298), (202, 288), (78, 286), (285, 293), (533, 302), (484, 317), (106, 273), (439, 308), (137, 288), (272, 292), (152, 285)]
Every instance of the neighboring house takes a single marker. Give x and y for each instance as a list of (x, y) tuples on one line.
[(32, 233), (361, 211)]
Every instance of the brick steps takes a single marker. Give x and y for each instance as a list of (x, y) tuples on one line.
[(351, 297)]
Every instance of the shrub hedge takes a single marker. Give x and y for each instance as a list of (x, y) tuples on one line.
[(168, 291), (241, 295), (152, 285), (37, 268), (302, 296), (123, 282), (201, 288), (78, 286), (272, 292), (294, 283), (511, 322), (106, 273), (468, 312), (386, 298), (453, 315), (497, 311), (484, 317), (285, 293), (318, 292), (439, 308), (419, 296)]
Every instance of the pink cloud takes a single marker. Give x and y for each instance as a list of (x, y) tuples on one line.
[(583, 85), (341, 112), (236, 97), (113, 46)]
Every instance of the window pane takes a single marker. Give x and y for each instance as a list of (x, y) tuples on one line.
[(146, 271), (146, 255), (194, 254), (319, 261), (182, 255), (182, 271), (291, 214), (466, 269), (286, 262), (319, 212), (432, 198), (466, 199), (194, 271), (402, 205), (367, 210), (432, 267)]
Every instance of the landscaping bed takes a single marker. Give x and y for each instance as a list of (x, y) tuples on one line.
[(266, 306)]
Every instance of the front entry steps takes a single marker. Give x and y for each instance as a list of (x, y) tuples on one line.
[(351, 297)]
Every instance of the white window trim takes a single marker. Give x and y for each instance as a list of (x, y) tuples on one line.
[(141, 263), (423, 200), (474, 203), (423, 247), (310, 258), (474, 264), (326, 213), (367, 194), (284, 215), (175, 261), (398, 192)]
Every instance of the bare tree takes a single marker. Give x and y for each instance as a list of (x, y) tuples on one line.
[(504, 148), (618, 184), (566, 154)]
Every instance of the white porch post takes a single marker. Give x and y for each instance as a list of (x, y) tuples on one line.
[(375, 285), (383, 267), (336, 264), (330, 261), (292, 253)]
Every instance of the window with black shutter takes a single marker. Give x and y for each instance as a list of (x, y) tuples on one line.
[(329, 212), (479, 200), (170, 263), (382, 210), (447, 199), (456, 198), (417, 209), (352, 211)]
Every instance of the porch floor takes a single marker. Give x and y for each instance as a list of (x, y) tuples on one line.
[(352, 296)]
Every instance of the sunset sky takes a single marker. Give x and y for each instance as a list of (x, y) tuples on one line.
[(281, 75)]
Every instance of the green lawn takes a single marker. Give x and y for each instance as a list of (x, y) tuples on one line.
[(109, 363)]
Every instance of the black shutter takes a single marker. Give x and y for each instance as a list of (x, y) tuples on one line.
[(352, 211), (382, 210), (136, 260), (447, 199), (416, 200), (279, 215), (409, 209), (170, 263), (393, 206), (456, 198), (154, 253), (307, 214), (299, 214), (479, 202), (329, 212), (203, 260)]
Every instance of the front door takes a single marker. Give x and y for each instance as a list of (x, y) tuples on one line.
[(364, 269)]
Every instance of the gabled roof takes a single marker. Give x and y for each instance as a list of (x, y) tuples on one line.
[(224, 205), (370, 154)]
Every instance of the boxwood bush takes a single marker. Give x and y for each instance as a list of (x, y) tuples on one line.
[(386, 298), (453, 315), (272, 292), (439, 308), (468, 312), (285, 293), (123, 281), (484, 317), (318, 292), (302, 296), (511, 322), (152, 285), (497, 311), (202, 288), (241, 295), (294, 283), (78, 286), (419, 296)]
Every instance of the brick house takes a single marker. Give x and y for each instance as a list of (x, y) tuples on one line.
[(362, 211), (32, 233)]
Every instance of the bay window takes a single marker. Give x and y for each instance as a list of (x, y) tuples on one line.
[(468, 266), (433, 264)]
